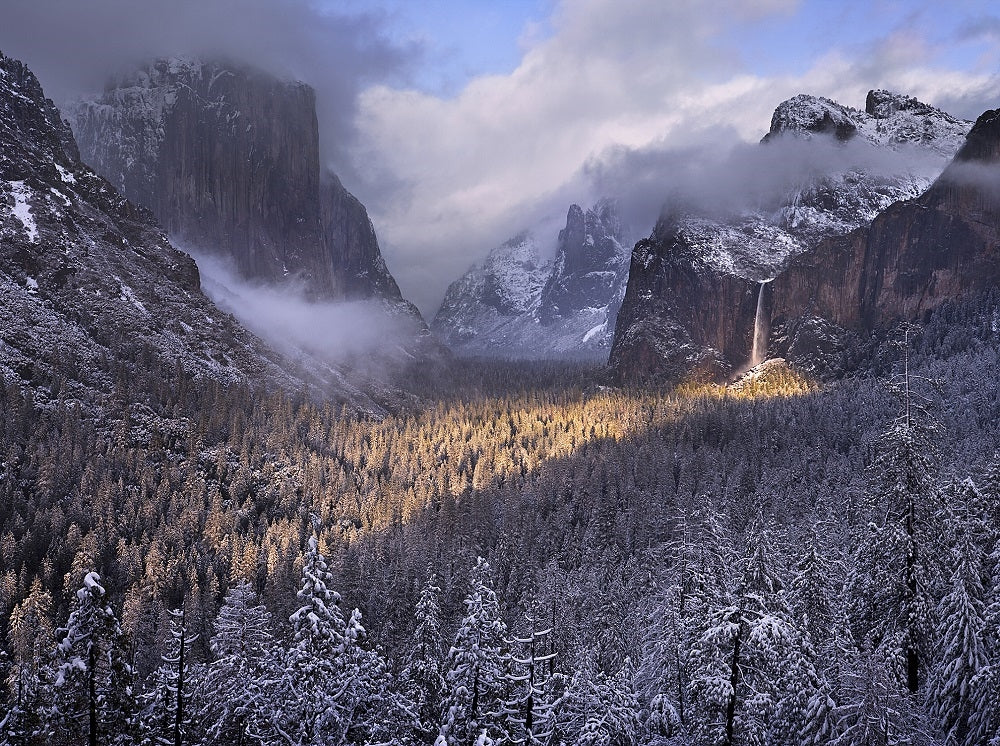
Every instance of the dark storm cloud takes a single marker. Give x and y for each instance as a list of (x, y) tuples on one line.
[(74, 46)]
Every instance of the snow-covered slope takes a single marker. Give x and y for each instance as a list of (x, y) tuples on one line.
[(90, 289), (898, 146), (514, 304)]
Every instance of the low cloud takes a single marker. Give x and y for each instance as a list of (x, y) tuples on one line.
[(360, 335), (977, 175), (724, 176), (75, 46), (626, 98)]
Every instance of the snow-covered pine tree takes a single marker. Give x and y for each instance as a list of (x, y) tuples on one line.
[(527, 709), (692, 573), (475, 680), (308, 711), (888, 588), (815, 592), (751, 677), (92, 687), (238, 683), (661, 678), (984, 718), (166, 720), (961, 653), (876, 707), (331, 689), (421, 679), (596, 710)]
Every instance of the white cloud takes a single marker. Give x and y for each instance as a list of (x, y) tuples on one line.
[(449, 178)]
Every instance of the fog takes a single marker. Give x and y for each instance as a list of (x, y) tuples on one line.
[(363, 335), (75, 46), (721, 176), (984, 177)]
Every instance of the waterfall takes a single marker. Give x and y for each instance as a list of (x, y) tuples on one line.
[(761, 330)]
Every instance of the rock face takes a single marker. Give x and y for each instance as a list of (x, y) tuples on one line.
[(227, 158), (913, 257), (90, 288), (514, 304), (694, 285), (588, 267)]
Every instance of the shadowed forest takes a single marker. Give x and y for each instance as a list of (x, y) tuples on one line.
[(538, 556)]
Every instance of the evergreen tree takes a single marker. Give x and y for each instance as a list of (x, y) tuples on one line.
[(528, 669), (30, 633), (889, 588), (751, 677), (238, 682), (475, 680), (330, 688), (422, 681), (309, 711), (166, 720), (92, 685), (961, 654), (596, 710)]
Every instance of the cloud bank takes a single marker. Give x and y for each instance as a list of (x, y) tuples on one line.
[(362, 335), (633, 96), (75, 46), (450, 178)]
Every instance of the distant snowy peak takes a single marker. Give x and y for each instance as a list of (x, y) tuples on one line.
[(807, 115), (514, 303), (513, 275), (593, 250), (757, 244), (889, 119)]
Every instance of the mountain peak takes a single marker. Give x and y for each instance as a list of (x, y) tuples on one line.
[(882, 104), (983, 141), (805, 115)]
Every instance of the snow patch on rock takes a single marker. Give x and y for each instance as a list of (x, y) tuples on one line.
[(22, 210)]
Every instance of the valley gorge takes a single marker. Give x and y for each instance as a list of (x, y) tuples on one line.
[(695, 490)]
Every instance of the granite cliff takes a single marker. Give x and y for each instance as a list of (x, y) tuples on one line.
[(515, 304), (695, 285), (916, 255), (228, 159)]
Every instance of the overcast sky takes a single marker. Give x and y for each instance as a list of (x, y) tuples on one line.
[(460, 123)]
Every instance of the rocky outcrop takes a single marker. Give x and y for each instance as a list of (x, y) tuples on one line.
[(515, 304), (91, 291), (694, 284), (681, 317), (228, 159), (588, 266), (915, 255), (804, 114)]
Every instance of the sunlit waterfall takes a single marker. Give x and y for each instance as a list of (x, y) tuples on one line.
[(761, 330)]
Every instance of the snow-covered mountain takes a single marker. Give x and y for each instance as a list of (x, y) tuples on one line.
[(516, 304), (91, 291), (854, 189), (693, 288)]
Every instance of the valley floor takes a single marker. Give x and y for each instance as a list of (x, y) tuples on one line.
[(535, 554)]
